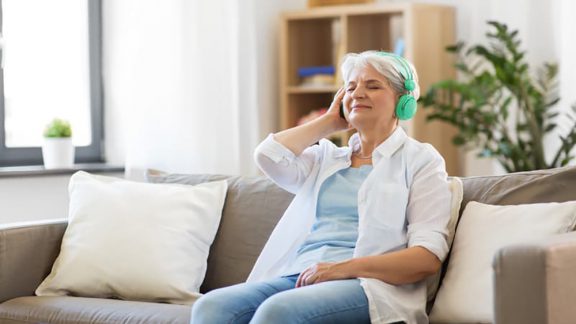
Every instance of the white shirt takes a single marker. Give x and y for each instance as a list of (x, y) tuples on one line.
[(404, 202)]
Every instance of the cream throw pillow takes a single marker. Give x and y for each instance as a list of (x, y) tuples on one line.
[(135, 241), (466, 293)]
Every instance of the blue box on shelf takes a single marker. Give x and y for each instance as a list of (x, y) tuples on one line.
[(314, 70)]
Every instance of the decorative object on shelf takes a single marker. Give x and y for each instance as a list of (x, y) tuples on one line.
[(399, 46), (336, 139), (312, 115), (497, 78), (317, 76), (320, 3), (57, 148)]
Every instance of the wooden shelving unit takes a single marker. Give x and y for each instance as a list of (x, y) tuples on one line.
[(321, 36)]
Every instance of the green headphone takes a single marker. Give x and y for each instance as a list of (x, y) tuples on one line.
[(406, 106)]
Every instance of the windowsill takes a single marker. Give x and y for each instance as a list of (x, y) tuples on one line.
[(39, 170)]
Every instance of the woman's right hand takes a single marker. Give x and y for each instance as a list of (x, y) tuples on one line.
[(333, 112), (298, 138)]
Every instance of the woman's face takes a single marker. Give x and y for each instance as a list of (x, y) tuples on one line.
[(369, 101)]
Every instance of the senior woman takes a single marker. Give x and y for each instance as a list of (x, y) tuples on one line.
[(368, 223)]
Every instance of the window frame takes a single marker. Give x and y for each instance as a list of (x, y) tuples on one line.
[(93, 153)]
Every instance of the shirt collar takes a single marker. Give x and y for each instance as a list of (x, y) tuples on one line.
[(386, 148)]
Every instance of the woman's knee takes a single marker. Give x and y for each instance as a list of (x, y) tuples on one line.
[(212, 308), (275, 310), (204, 309)]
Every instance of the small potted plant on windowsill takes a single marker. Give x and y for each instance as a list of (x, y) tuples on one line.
[(57, 149)]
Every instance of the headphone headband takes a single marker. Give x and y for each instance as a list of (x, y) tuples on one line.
[(409, 83)]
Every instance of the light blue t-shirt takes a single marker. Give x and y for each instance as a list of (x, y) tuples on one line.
[(335, 230)]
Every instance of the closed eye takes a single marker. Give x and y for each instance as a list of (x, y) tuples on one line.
[(373, 84)]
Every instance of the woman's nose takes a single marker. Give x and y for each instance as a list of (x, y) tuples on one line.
[(358, 93)]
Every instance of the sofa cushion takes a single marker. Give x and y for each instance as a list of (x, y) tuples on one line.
[(252, 208), (79, 310)]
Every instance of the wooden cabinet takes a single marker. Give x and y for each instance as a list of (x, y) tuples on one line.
[(321, 36)]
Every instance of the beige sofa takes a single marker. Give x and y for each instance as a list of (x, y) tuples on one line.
[(535, 283)]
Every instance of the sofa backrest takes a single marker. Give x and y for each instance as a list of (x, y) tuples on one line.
[(553, 185), (254, 205), (541, 186), (252, 208)]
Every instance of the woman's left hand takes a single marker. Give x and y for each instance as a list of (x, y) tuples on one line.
[(320, 272)]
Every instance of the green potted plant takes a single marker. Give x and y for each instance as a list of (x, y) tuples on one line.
[(57, 148), (500, 106)]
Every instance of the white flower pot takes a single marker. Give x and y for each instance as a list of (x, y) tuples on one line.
[(58, 153)]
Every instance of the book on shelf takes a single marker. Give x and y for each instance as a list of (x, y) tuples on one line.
[(314, 76), (313, 70), (318, 80)]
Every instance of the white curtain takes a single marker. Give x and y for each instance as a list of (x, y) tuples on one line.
[(173, 85), (565, 44), (190, 84)]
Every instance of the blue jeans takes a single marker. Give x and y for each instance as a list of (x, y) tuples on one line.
[(277, 301)]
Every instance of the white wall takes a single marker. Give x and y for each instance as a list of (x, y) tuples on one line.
[(35, 198), (267, 15)]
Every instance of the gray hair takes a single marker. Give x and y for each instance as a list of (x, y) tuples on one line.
[(387, 65)]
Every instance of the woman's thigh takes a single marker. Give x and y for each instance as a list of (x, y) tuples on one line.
[(339, 301), (236, 304)]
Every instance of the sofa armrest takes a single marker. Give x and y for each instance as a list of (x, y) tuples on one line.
[(536, 282), (27, 252)]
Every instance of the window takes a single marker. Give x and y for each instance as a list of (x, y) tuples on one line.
[(51, 68)]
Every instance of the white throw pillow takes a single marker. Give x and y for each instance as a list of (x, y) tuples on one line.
[(136, 241), (466, 293)]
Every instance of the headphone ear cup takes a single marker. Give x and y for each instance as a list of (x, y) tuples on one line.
[(406, 107)]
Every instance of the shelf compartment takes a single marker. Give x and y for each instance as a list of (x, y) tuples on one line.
[(310, 43), (302, 104), (373, 32), (313, 89)]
